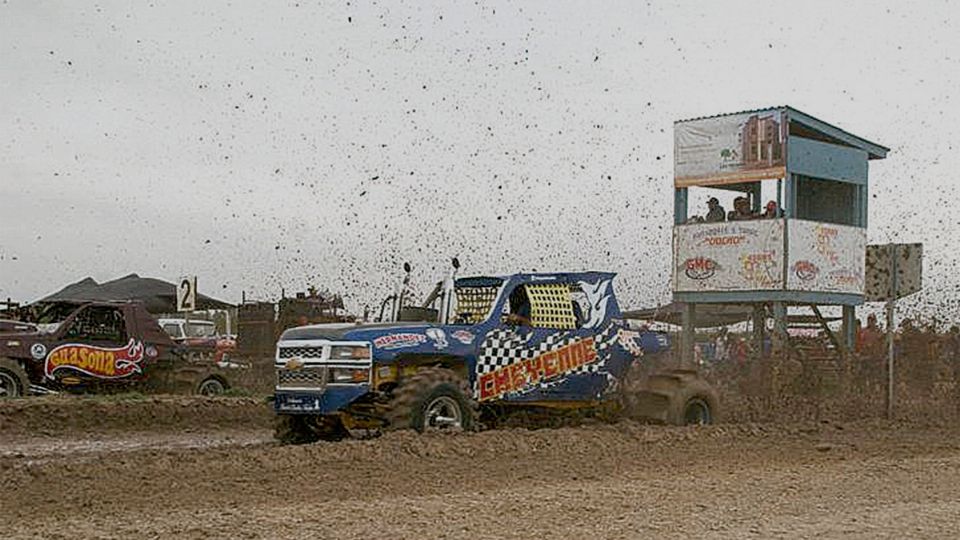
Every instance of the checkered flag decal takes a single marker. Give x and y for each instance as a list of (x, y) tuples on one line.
[(503, 347)]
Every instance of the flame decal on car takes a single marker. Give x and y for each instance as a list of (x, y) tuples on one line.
[(101, 362)]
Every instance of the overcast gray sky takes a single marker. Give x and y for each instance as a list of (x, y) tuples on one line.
[(262, 145)]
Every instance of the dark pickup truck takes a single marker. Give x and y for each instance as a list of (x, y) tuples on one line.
[(100, 347)]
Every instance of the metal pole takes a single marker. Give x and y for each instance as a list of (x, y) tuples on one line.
[(779, 196), (891, 305), (759, 322), (687, 336), (781, 337)]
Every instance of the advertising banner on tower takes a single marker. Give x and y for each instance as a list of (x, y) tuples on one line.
[(729, 149), (730, 256), (825, 257)]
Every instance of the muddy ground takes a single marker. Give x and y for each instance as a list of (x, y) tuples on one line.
[(117, 477), (66, 416)]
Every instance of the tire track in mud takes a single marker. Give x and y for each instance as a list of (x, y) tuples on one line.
[(89, 447)]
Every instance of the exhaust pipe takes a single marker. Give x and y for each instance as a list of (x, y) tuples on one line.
[(402, 292), (448, 284)]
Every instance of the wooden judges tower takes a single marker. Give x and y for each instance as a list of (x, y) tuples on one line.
[(810, 254)]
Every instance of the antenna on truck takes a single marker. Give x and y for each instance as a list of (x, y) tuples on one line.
[(398, 297)]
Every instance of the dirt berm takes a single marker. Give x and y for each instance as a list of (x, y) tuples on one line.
[(66, 415)]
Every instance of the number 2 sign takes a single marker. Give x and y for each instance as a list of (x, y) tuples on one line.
[(187, 294)]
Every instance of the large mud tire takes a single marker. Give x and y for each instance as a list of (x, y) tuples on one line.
[(675, 398), (305, 429), (433, 399), (212, 386), (13, 380)]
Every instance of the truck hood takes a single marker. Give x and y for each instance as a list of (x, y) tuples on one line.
[(24, 337), (19, 328), (346, 331)]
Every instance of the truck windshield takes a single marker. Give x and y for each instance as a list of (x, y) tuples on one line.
[(53, 313), (173, 330), (201, 330)]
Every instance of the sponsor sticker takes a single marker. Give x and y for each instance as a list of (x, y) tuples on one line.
[(438, 336), (805, 270), (101, 362), (630, 341), (700, 268), (38, 351), (399, 341), (732, 240), (845, 276), (464, 336)]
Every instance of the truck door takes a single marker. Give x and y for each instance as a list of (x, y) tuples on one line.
[(96, 342), (544, 349)]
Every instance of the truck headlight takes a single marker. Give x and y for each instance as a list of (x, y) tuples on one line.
[(349, 375), (349, 352)]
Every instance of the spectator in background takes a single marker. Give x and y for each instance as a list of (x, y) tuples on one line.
[(951, 351), (721, 351), (858, 338), (911, 349), (698, 355), (741, 210), (716, 212), (771, 211), (870, 338), (951, 344), (739, 352)]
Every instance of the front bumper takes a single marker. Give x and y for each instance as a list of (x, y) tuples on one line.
[(330, 400)]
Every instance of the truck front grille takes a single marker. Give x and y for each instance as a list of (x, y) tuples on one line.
[(301, 352), (307, 377)]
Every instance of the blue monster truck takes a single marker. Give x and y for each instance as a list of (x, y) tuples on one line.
[(534, 341)]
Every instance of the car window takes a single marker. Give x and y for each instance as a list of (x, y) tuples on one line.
[(98, 323), (472, 304), (173, 330), (201, 330), (545, 305)]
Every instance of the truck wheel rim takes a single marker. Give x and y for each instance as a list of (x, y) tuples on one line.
[(211, 388), (696, 413), (8, 385), (442, 414)]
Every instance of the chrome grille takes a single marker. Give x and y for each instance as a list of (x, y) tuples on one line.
[(307, 377), (301, 352)]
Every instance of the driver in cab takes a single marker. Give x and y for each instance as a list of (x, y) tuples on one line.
[(519, 314)]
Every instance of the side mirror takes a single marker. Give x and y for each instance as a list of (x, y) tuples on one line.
[(406, 267), (456, 263)]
